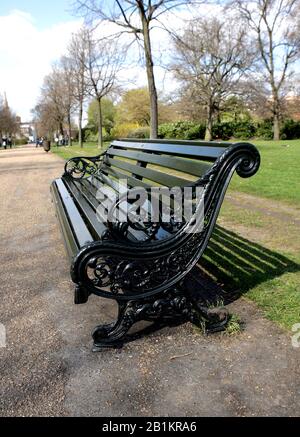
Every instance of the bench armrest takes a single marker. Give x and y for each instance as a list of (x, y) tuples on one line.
[(80, 167)]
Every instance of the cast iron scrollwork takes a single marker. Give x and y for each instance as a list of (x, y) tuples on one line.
[(171, 306), (80, 167), (141, 224)]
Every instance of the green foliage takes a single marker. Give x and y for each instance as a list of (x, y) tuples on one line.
[(290, 130), (134, 107), (237, 129), (189, 130), (108, 116), (244, 130), (20, 141), (265, 130), (234, 325), (122, 130), (223, 131), (186, 130), (140, 132)]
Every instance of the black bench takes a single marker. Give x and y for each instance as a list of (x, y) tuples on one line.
[(142, 264)]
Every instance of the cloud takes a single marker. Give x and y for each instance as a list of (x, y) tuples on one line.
[(26, 55), (27, 52)]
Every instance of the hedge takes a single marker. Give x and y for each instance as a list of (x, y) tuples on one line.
[(243, 130), (188, 130)]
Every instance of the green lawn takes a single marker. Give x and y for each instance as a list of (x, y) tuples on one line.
[(279, 174), (246, 254), (67, 152)]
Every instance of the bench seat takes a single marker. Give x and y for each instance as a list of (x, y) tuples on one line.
[(143, 265)]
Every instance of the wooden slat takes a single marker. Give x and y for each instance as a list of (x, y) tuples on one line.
[(205, 153), (156, 176), (131, 181), (195, 168), (201, 143), (80, 229), (87, 203), (67, 232), (93, 187)]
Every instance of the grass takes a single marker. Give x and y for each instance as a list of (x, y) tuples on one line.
[(67, 152), (251, 253), (250, 258), (278, 177), (234, 325)]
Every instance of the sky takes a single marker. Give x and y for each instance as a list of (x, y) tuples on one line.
[(33, 34)]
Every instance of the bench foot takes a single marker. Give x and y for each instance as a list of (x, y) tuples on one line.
[(169, 308)]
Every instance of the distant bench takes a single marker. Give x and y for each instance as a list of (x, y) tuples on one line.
[(143, 265)]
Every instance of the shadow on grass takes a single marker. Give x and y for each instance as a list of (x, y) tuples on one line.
[(231, 265), (238, 264)]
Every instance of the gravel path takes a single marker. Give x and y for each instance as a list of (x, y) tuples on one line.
[(47, 367)]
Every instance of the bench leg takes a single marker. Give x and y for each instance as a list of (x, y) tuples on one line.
[(171, 307), (114, 334)]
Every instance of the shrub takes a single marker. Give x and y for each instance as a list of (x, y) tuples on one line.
[(140, 132), (186, 130), (195, 132), (89, 135), (223, 131), (244, 130), (290, 130), (265, 130), (122, 130), (20, 141)]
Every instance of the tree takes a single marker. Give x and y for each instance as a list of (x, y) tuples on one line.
[(136, 17), (103, 62), (68, 90), (134, 108), (8, 121), (108, 115), (56, 103), (77, 53), (276, 26), (209, 60)]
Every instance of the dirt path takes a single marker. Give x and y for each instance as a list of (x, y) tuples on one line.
[(271, 208), (47, 367)]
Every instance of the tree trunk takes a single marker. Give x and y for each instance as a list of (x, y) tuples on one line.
[(276, 128), (276, 121), (61, 128), (70, 129), (80, 124), (209, 124), (151, 79), (100, 136)]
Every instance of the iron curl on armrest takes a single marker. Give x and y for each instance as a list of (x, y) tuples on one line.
[(80, 167)]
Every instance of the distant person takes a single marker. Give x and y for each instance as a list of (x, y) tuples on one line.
[(9, 142), (4, 142)]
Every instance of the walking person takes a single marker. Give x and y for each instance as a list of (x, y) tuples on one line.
[(4, 142)]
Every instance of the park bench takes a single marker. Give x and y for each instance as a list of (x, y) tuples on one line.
[(141, 263)]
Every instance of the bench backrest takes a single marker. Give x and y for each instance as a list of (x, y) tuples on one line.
[(160, 162)]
